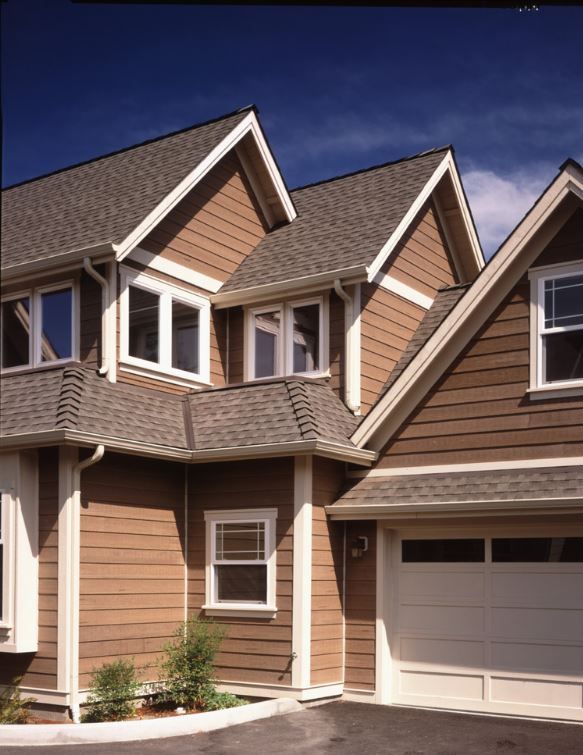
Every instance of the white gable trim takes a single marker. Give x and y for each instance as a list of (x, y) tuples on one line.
[(465, 318), (249, 125), (445, 166), (403, 290), (175, 270)]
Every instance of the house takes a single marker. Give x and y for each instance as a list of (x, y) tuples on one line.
[(316, 416)]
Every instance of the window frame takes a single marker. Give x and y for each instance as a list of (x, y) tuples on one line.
[(167, 293), (268, 517), (285, 351), (35, 334), (538, 278)]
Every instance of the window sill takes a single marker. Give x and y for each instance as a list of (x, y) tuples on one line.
[(258, 612), (163, 376), (557, 390)]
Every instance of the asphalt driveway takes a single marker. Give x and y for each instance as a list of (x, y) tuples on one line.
[(358, 729)]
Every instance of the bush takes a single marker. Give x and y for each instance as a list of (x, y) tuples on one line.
[(114, 688), (219, 700), (188, 668), (13, 707)]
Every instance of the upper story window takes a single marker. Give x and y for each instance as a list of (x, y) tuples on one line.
[(557, 325), (286, 339), (39, 327), (164, 328)]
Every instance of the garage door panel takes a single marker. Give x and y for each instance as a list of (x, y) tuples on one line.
[(442, 652), (459, 686), (549, 659), (459, 620), (536, 588), (443, 585), (537, 624), (537, 692)]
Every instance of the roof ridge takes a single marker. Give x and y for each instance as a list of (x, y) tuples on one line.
[(303, 409), (132, 146), (425, 153), (70, 396)]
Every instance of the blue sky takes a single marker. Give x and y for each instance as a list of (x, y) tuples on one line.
[(338, 89)]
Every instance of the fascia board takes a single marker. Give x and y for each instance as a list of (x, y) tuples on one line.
[(292, 286), (466, 214), (249, 124), (59, 262), (448, 339)]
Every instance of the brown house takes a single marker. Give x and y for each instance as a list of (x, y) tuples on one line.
[(315, 416)]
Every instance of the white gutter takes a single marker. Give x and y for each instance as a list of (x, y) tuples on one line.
[(57, 262), (352, 350), (74, 577), (104, 283)]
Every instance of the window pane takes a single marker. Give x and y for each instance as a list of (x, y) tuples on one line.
[(57, 325), (241, 584), (267, 335), (15, 332), (306, 338), (240, 542), (564, 301), (443, 551), (143, 326), (563, 356), (537, 549), (184, 337)]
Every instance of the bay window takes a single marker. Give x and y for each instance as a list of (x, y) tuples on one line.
[(287, 339), (165, 329), (557, 327), (240, 564), (39, 327)]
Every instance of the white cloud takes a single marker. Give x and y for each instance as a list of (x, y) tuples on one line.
[(499, 201)]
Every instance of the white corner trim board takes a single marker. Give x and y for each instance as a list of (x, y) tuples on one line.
[(403, 290), (249, 125), (175, 270), (302, 572), (156, 728)]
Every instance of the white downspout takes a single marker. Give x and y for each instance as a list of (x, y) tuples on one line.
[(104, 283), (74, 577), (350, 355)]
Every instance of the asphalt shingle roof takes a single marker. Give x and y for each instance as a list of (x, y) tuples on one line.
[(76, 398), (493, 485), (101, 201), (341, 223)]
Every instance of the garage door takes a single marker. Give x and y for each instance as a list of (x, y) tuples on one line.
[(489, 623)]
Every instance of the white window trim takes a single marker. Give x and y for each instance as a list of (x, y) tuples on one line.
[(34, 337), (167, 293), (537, 278), (269, 518), (285, 351)]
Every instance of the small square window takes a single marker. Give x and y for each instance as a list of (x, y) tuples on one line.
[(267, 343), (16, 332)]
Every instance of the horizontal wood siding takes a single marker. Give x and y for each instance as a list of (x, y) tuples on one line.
[(327, 575), (90, 309), (40, 669), (360, 609), (236, 339), (215, 227), (480, 409), (254, 650), (132, 562)]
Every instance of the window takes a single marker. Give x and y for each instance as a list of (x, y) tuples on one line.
[(538, 549), (443, 551), (287, 339), (165, 329), (240, 561), (557, 327), (39, 327)]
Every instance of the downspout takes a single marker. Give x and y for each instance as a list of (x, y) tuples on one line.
[(76, 560), (104, 283), (349, 355)]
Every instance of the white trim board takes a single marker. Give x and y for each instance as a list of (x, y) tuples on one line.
[(485, 466), (403, 290), (488, 290), (175, 270), (302, 573), (249, 125)]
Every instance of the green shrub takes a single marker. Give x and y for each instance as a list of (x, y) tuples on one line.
[(188, 668), (13, 707), (113, 690), (219, 700)]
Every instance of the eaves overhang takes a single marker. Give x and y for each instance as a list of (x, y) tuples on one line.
[(58, 262)]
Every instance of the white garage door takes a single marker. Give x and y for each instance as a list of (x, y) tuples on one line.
[(489, 623)]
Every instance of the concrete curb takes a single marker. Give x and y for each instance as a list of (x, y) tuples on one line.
[(133, 731)]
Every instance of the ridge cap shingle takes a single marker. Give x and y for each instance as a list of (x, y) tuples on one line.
[(70, 396), (302, 409)]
